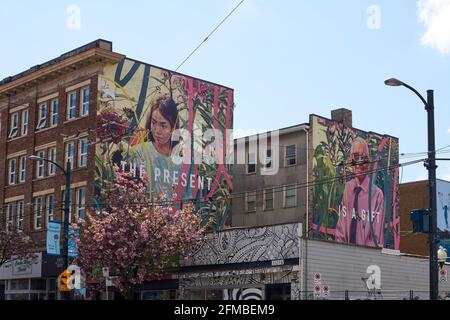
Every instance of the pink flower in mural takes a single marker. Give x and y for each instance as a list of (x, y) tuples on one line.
[(111, 126)]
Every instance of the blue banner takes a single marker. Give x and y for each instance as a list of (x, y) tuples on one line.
[(73, 235), (53, 237)]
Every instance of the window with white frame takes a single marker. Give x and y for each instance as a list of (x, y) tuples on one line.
[(22, 169), (40, 165), (291, 155), (12, 171), (51, 157), (70, 153), (9, 216), (268, 198), (290, 196), (14, 127), (71, 105), (82, 152), (81, 203), (250, 201), (42, 116), (24, 122), (20, 214), (251, 162), (50, 207), (54, 112), (63, 197), (85, 94), (38, 206)]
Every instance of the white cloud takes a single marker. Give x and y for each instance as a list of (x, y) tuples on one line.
[(435, 16)]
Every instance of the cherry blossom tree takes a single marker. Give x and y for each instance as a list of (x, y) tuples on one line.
[(15, 245), (134, 239)]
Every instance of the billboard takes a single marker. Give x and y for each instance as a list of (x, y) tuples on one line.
[(443, 208), (173, 128), (354, 185)]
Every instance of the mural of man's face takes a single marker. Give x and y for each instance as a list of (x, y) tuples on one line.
[(359, 158), (161, 129)]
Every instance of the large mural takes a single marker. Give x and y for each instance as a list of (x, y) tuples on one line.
[(171, 127), (443, 208), (355, 185)]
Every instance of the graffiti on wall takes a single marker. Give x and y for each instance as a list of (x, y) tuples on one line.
[(355, 185), (171, 127), (248, 245)]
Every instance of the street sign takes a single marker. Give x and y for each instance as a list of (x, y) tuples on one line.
[(105, 271), (443, 275), (63, 280), (317, 291), (325, 291)]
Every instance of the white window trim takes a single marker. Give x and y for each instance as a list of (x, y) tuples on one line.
[(285, 187), (80, 205), (21, 206), (82, 102), (36, 211), (22, 169), (247, 163), (47, 208), (9, 215), (42, 119), (71, 158), (51, 166), (80, 154), (12, 174), (286, 157), (70, 106), (24, 124), (53, 113), (14, 125), (40, 165), (264, 198), (246, 200)]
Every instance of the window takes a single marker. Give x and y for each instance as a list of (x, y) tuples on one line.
[(24, 123), (22, 169), (268, 158), (268, 198), (12, 171), (52, 157), (54, 113), (20, 213), (14, 125), (42, 117), (64, 204), (83, 152), (71, 105), (70, 153), (251, 162), (81, 202), (40, 165), (291, 155), (290, 196), (85, 102), (9, 216), (250, 201), (50, 207), (38, 213)]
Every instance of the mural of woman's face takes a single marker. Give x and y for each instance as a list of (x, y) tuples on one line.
[(161, 129)]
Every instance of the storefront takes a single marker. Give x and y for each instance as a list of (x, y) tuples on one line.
[(244, 264), (27, 280)]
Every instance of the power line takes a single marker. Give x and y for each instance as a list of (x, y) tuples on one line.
[(210, 34)]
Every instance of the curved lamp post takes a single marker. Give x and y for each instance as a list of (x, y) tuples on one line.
[(430, 164), (67, 173)]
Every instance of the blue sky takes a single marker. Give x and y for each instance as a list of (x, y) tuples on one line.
[(285, 59)]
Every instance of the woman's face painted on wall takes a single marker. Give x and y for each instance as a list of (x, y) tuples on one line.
[(161, 129)]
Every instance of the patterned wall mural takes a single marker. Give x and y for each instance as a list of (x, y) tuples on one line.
[(173, 128), (248, 245), (355, 185)]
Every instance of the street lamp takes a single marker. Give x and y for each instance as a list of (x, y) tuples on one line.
[(430, 164), (66, 205)]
